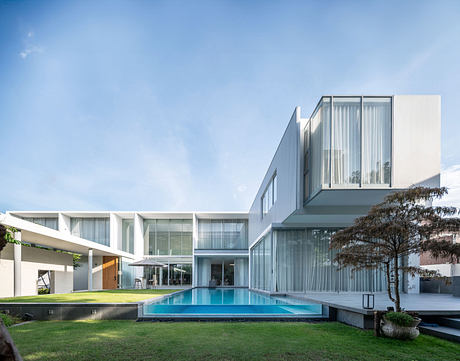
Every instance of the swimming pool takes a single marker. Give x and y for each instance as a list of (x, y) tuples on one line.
[(230, 302)]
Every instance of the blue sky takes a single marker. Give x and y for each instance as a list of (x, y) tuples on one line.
[(180, 105)]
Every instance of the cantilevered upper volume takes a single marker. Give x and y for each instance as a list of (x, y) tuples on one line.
[(345, 157)]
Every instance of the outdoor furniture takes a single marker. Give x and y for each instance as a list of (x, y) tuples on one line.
[(212, 284), (152, 283), (137, 283)]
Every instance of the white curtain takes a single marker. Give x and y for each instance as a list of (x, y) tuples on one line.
[(376, 140), (92, 229), (241, 272), (346, 141), (320, 146), (304, 263)]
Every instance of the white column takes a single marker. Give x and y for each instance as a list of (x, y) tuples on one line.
[(90, 270), (64, 223), (115, 231), (17, 265), (139, 243)]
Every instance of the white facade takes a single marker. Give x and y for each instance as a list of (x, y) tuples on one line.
[(328, 169)]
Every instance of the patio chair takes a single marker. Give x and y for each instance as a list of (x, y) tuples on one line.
[(212, 284), (137, 283)]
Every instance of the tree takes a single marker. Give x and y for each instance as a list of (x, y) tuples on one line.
[(3, 240), (404, 223)]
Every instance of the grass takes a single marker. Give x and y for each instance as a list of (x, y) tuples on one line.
[(128, 340), (120, 296)]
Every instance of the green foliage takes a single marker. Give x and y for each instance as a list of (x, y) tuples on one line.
[(9, 236), (7, 319), (3, 232), (399, 318), (76, 258), (44, 291)]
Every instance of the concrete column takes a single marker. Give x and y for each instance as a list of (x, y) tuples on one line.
[(139, 243), (17, 265), (161, 276), (115, 231), (64, 223), (90, 270)]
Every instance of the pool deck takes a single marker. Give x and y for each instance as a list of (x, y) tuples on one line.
[(423, 303), (347, 307)]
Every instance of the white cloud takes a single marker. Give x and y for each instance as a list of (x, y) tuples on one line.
[(30, 50), (242, 188)]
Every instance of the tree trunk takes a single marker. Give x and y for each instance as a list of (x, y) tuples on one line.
[(8, 350), (387, 269), (397, 300)]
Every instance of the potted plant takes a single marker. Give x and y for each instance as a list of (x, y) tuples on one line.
[(400, 325)]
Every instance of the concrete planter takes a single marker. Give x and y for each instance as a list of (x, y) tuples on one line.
[(392, 330)]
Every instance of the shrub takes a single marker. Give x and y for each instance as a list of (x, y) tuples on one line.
[(399, 318), (7, 319)]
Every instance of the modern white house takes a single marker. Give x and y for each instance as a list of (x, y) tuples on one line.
[(329, 168)]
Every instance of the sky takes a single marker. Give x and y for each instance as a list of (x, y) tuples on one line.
[(180, 105)]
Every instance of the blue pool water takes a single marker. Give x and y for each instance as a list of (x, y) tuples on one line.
[(229, 301)]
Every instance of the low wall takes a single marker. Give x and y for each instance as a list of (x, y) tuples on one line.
[(73, 311), (435, 286), (456, 286)]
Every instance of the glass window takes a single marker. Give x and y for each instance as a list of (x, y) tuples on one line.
[(175, 236), (376, 140), (44, 221), (222, 234), (269, 196), (346, 141), (162, 237), (305, 263), (168, 237), (320, 145), (92, 229), (127, 238)]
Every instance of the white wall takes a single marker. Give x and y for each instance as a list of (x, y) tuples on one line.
[(286, 163), (81, 274), (416, 140), (7, 271), (33, 260)]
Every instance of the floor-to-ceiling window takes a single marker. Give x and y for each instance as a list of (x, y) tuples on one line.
[(222, 272), (169, 274), (163, 237), (92, 229), (127, 236), (376, 140), (222, 234), (261, 258), (347, 143), (305, 263)]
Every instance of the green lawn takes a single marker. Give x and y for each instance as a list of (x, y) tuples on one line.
[(121, 296), (128, 340)]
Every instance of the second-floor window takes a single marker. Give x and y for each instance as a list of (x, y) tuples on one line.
[(270, 195)]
